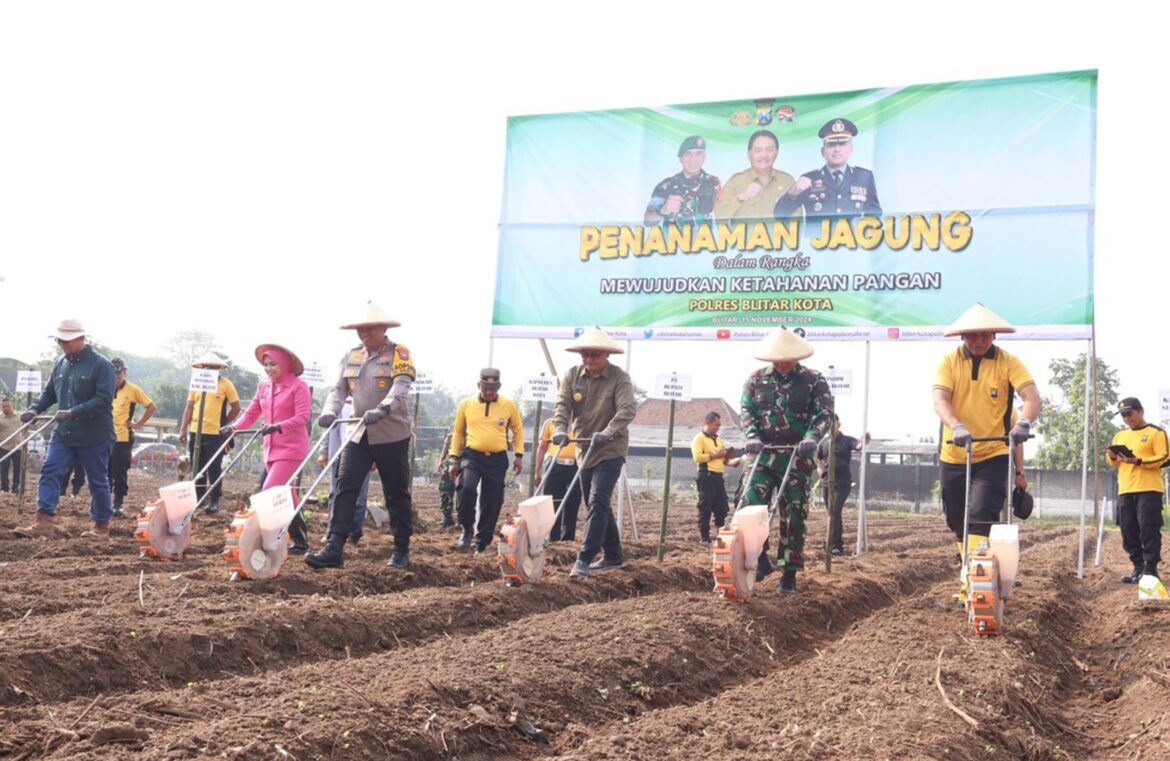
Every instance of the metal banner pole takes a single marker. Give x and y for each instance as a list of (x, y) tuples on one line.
[(862, 529), (666, 484), (198, 432), (830, 481), (1084, 466), (534, 448)]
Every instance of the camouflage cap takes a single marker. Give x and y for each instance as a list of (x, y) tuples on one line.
[(692, 142)]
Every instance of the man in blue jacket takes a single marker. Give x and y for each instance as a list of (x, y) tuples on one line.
[(81, 385)]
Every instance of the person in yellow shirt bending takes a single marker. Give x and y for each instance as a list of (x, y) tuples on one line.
[(1138, 453), (479, 452), (561, 476)]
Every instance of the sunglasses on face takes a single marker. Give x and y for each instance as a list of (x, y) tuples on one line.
[(592, 354)]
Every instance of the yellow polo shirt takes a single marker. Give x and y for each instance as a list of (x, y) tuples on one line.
[(225, 394), (124, 400), (483, 426), (1148, 444), (983, 390), (703, 446), (567, 452)]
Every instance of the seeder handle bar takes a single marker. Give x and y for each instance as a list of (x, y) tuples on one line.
[(255, 434), (755, 463), (356, 434), (576, 478), (227, 440), (48, 420), (23, 426)]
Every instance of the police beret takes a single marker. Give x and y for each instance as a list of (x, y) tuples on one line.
[(694, 141), (489, 377), (838, 131)]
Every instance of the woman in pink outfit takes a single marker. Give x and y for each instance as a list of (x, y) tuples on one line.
[(285, 403)]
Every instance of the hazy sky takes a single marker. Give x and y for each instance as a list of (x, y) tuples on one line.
[(259, 170)]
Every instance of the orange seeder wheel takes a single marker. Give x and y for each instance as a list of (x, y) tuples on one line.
[(985, 604), (733, 579), (245, 555), (153, 534), (517, 565)]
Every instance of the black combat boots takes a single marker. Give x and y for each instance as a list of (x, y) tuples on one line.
[(330, 555), (788, 582)]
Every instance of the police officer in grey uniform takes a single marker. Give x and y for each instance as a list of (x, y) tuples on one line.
[(688, 196), (836, 190)]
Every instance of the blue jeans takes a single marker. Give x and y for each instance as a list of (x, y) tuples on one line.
[(601, 530), (94, 459), (359, 513)]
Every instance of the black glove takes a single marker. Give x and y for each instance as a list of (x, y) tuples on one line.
[(807, 447), (326, 420), (63, 415), (960, 435), (560, 438), (269, 429), (602, 438), (227, 430), (27, 416), (373, 416), (1020, 432)]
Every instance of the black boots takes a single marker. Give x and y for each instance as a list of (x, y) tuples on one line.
[(464, 541), (330, 555), (399, 559), (788, 581), (1133, 577), (299, 536), (764, 566)]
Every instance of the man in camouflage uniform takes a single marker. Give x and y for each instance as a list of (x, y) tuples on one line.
[(446, 484), (688, 196), (784, 404)]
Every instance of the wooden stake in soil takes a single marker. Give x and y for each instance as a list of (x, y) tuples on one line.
[(666, 484)]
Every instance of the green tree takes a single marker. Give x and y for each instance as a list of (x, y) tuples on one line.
[(169, 399), (1063, 417)]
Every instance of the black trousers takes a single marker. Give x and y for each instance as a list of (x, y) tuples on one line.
[(393, 463), (1140, 516), (78, 479), (712, 502), (207, 446), (601, 529), (11, 464), (988, 493), (481, 475), (835, 506), (120, 469), (556, 485)]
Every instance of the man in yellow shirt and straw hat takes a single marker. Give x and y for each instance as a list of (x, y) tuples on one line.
[(974, 392)]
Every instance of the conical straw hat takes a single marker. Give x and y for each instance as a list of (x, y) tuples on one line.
[(371, 314), (978, 319), (595, 338), (298, 367), (782, 344), (210, 361)]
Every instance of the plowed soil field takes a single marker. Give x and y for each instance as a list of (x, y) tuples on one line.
[(104, 656)]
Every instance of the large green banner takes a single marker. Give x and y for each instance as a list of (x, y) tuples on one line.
[(869, 215)]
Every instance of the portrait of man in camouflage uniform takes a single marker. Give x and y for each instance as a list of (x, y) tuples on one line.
[(784, 404), (688, 196)]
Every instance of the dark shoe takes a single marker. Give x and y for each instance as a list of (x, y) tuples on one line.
[(1152, 570), (605, 564), (331, 555), (788, 582), (355, 537), (464, 540), (297, 549), (119, 512), (399, 559), (448, 521), (705, 541), (838, 551), (212, 507), (1133, 576), (764, 567), (580, 570)]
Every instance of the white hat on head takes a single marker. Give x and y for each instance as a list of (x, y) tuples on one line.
[(782, 345), (210, 361), (67, 330), (595, 338), (371, 314), (978, 319)]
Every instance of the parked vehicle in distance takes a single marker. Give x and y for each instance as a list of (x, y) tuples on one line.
[(154, 455)]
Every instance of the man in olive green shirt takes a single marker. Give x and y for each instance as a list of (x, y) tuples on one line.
[(752, 193), (596, 399)]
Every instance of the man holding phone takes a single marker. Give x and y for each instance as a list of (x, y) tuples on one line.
[(1138, 452)]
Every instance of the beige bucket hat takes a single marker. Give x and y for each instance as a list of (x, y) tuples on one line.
[(67, 330), (978, 319), (210, 361), (371, 314), (595, 338), (781, 345), (298, 367)]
